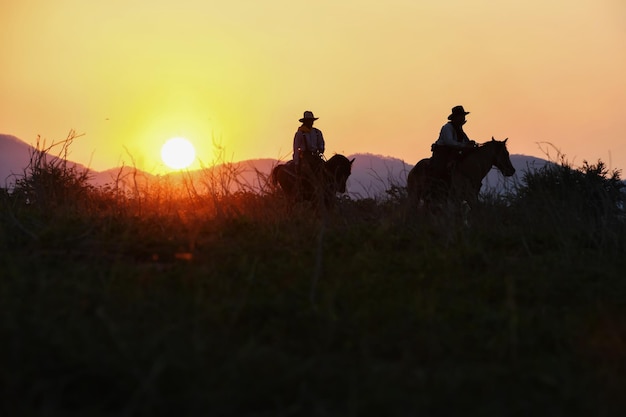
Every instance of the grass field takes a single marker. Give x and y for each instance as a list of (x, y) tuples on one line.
[(185, 303)]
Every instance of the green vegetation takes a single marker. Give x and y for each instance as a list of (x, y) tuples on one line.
[(182, 302)]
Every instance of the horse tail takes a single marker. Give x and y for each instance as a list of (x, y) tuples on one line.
[(274, 175), (416, 181)]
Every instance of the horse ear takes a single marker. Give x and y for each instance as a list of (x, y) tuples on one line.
[(506, 140), (352, 160), (493, 139)]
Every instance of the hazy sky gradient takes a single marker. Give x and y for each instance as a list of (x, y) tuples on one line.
[(381, 76)]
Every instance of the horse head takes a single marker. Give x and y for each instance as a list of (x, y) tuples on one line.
[(501, 159), (338, 168)]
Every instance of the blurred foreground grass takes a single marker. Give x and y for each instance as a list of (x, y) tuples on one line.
[(206, 304)]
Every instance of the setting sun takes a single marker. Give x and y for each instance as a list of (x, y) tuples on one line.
[(178, 153)]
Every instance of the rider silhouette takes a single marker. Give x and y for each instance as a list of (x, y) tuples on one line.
[(308, 140), (451, 145), (308, 148)]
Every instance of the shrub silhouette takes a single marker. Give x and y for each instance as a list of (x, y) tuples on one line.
[(590, 192), (51, 181)]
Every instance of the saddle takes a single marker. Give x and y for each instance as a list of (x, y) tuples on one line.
[(445, 159), (311, 160)]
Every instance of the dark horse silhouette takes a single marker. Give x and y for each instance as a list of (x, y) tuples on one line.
[(466, 178), (319, 180)]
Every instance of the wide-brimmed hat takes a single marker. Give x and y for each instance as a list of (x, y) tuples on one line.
[(308, 115), (457, 110)]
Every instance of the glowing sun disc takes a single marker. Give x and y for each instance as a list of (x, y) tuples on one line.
[(178, 153)]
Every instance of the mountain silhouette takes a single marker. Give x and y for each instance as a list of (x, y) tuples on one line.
[(14, 158), (371, 174)]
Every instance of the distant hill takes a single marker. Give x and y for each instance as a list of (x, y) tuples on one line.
[(371, 175), (14, 157)]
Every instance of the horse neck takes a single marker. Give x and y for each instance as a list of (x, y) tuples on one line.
[(332, 165), (335, 167), (481, 159)]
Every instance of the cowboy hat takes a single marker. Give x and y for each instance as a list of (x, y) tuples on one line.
[(457, 110), (308, 115)]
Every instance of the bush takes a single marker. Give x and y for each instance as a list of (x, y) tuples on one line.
[(51, 181), (591, 191)]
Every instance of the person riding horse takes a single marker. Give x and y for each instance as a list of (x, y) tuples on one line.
[(308, 147), (451, 145)]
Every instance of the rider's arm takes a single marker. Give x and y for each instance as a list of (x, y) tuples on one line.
[(469, 143), (297, 145), (447, 136), (321, 145)]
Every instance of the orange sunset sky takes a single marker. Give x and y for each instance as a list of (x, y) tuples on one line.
[(381, 75)]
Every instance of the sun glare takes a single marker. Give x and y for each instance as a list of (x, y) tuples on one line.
[(178, 153)]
